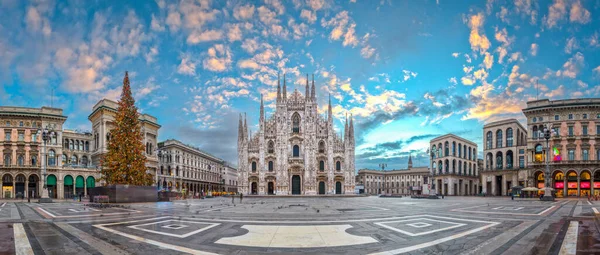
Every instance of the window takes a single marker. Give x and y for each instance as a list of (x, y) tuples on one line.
[(521, 162), (556, 117), (74, 160), (534, 119), (7, 160), (541, 119), (570, 130), (21, 136), (585, 116), (586, 155), (321, 147), (254, 166), (557, 132), (459, 150), (469, 153), (539, 153), (446, 149), (34, 137), (338, 166), (270, 166), (20, 123), (84, 161), (321, 165), (296, 151), (8, 123), (51, 158), (535, 132), (584, 130), (270, 147), (296, 123), (498, 161), (499, 139), (488, 140), (597, 129), (20, 160), (7, 135), (521, 151), (454, 149), (570, 116), (34, 160), (571, 154), (509, 137)]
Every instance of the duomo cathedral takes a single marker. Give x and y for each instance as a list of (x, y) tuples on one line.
[(296, 150)]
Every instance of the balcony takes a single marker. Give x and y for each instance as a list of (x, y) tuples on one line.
[(297, 161), (567, 162)]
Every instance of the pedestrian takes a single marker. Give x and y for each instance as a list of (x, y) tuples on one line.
[(241, 197), (232, 199), (80, 196), (512, 197), (442, 196)]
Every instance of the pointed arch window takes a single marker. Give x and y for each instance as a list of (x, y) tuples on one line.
[(321, 165), (296, 123), (499, 139), (296, 151), (270, 166), (446, 149), (254, 166), (509, 137), (488, 140), (338, 166), (270, 147), (21, 160)]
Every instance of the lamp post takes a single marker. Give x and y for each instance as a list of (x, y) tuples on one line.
[(433, 152), (47, 135), (547, 134)]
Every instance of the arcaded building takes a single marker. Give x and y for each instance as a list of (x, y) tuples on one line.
[(402, 181), (505, 152), (103, 120), (454, 165), (574, 150), (68, 164), (296, 150)]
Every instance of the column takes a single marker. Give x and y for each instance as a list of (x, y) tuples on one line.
[(1, 190), (592, 186), (504, 188), (493, 191), (74, 182), (14, 188), (565, 187), (443, 187), (578, 189), (26, 187), (84, 187)]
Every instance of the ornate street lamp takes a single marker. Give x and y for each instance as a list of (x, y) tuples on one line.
[(547, 133), (47, 135)]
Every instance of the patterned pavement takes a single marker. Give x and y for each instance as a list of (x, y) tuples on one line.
[(304, 225)]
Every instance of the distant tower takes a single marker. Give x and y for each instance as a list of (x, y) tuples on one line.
[(409, 161)]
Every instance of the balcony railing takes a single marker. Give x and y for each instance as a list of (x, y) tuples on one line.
[(566, 162)]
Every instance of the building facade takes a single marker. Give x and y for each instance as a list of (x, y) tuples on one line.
[(505, 152), (185, 166), (454, 165), (404, 181), (231, 178), (574, 151), (67, 155), (296, 150), (103, 121)]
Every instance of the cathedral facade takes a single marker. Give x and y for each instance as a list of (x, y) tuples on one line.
[(296, 150)]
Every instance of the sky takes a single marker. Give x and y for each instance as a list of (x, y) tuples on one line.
[(407, 71)]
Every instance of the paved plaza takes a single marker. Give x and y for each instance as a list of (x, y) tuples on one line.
[(307, 225)]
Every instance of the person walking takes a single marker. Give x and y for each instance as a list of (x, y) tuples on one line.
[(233, 199), (241, 197)]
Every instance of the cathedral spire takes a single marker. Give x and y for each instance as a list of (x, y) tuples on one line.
[(245, 128), (284, 89), (240, 130), (329, 112), (262, 109), (351, 129), (409, 161), (307, 94), (313, 96), (278, 88), (346, 136)]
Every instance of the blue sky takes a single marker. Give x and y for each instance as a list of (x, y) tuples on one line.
[(407, 70)]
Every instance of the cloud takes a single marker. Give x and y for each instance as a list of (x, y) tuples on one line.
[(277, 5), (455, 54), (367, 51), (573, 66), (408, 74), (186, 67), (479, 42), (205, 36), (250, 45), (267, 16), (571, 45), (248, 63), (597, 70), (234, 33), (36, 22), (151, 54), (556, 12), (488, 61), (309, 16), (488, 105), (502, 52), (156, 25), (501, 35), (342, 26), (173, 21), (467, 80), (316, 4), (579, 14), (219, 58), (533, 49), (557, 93), (243, 12)]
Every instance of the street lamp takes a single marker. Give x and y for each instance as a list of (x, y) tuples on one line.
[(547, 133), (47, 135), (433, 152)]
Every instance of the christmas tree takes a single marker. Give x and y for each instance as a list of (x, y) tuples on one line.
[(125, 162)]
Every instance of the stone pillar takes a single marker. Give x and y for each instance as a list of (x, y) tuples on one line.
[(443, 187), (565, 187), (14, 188), (1, 190), (592, 186), (26, 188), (578, 183), (493, 191), (60, 194), (504, 187)]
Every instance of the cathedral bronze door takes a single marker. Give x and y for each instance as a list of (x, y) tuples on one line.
[(254, 189), (338, 188), (296, 185), (321, 188), (270, 188)]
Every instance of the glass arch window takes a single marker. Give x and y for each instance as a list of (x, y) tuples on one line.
[(296, 151), (296, 123), (253, 166), (509, 137), (321, 165), (338, 166), (499, 139), (51, 158), (270, 166)]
